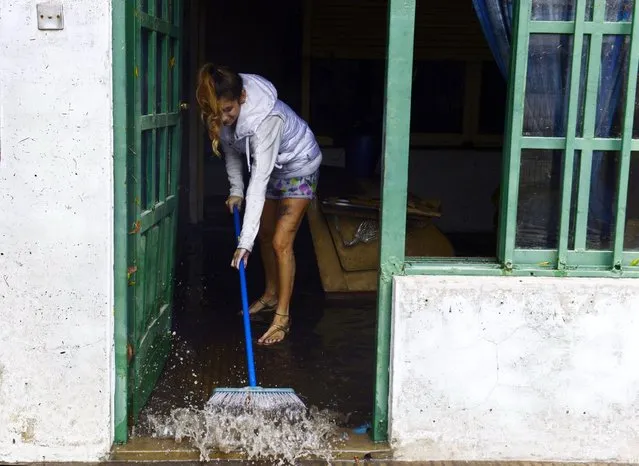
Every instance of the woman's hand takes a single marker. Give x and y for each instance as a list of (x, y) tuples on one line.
[(234, 201), (240, 255)]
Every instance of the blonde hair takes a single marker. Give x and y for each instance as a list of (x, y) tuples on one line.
[(213, 83)]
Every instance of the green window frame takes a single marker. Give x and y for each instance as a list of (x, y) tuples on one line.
[(577, 260), (563, 261)]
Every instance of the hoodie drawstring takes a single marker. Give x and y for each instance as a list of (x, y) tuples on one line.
[(248, 155)]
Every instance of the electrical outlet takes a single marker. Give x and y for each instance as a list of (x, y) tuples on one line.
[(50, 17)]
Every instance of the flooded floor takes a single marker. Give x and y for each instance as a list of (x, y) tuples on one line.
[(328, 358)]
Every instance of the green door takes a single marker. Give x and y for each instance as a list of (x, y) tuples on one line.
[(153, 165)]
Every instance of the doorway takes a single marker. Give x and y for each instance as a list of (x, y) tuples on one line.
[(192, 303), (330, 356)]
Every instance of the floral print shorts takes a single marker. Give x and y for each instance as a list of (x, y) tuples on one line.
[(301, 187)]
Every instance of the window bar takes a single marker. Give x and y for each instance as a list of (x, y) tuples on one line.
[(176, 70), (571, 128), (514, 130), (163, 106), (165, 12), (136, 169), (626, 142), (163, 74), (590, 113), (556, 143), (163, 172), (151, 146), (567, 27), (150, 9)]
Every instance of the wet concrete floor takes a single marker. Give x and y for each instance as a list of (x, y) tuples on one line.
[(328, 358)]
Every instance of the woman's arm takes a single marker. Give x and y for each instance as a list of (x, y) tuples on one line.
[(265, 145), (233, 161)]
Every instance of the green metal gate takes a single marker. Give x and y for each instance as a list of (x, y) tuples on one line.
[(147, 129)]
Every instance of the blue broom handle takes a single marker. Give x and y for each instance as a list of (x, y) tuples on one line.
[(245, 308)]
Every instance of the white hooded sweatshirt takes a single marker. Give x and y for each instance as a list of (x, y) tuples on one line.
[(275, 141)]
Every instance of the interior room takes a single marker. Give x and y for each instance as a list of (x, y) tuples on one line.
[(327, 61)]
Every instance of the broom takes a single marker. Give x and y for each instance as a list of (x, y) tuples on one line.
[(254, 399)]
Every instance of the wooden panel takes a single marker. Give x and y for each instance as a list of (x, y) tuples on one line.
[(331, 271)]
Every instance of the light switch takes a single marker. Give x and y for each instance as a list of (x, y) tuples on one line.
[(50, 17)]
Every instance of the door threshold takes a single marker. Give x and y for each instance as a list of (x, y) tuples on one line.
[(358, 446)]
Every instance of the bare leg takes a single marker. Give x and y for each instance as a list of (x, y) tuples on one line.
[(290, 214), (265, 237)]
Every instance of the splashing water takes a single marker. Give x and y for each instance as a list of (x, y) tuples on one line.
[(257, 434)]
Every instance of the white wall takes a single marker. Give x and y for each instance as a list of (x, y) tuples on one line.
[(515, 368), (56, 225)]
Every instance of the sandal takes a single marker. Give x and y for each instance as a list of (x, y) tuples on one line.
[(274, 328), (266, 307)]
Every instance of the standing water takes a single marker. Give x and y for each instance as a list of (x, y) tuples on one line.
[(328, 358)]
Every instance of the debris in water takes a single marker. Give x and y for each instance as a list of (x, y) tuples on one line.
[(363, 428)]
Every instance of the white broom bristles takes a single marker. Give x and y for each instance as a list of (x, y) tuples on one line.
[(270, 402)]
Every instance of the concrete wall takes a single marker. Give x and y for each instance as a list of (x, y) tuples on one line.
[(56, 223), (515, 368)]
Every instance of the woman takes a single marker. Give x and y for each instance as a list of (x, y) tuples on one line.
[(247, 121)]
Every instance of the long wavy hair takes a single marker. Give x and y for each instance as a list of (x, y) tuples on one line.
[(215, 83)]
